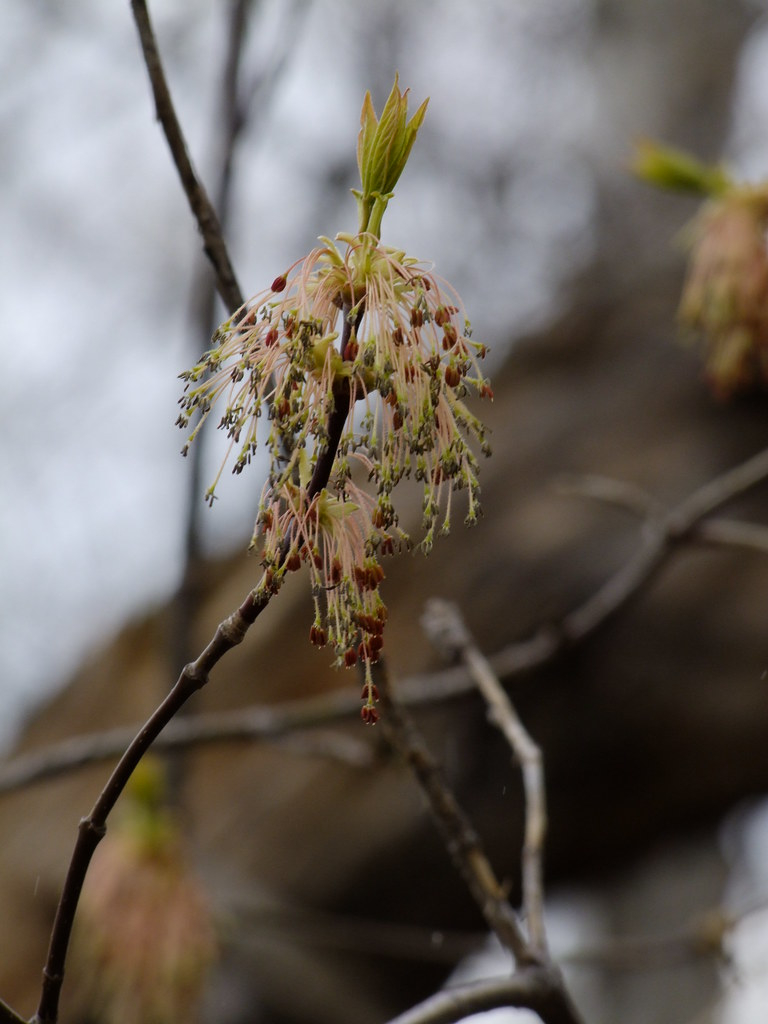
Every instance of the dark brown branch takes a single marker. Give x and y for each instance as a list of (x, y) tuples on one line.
[(201, 206), (664, 533), (93, 827), (733, 534), (535, 988), (704, 937), (229, 633), (246, 725), (461, 840), (268, 722), (446, 630)]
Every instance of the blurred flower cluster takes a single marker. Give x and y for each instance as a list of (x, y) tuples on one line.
[(360, 359), (725, 296), (144, 938)]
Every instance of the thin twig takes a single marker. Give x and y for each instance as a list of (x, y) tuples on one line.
[(461, 840), (662, 534), (733, 534), (705, 936), (250, 724), (201, 206), (93, 827), (720, 532), (623, 495), (717, 492), (230, 121), (447, 631), (187, 599), (535, 988), (243, 726)]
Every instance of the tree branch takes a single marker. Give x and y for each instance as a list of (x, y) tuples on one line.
[(663, 534), (535, 988), (447, 631), (201, 206), (461, 840), (623, 495), (251, 724), (705, 936), (243, 726), (733, 534), (230, 119), (93, 828)]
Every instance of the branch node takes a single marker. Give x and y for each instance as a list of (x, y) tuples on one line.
[(445, 628), (195, 676), (89, 826), (233, 629)]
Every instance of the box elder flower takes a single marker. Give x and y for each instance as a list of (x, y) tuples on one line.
[(359, 358)]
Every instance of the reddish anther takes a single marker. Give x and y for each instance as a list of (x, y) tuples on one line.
[(452, 376)]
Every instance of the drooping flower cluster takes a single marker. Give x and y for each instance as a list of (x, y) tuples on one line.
[(724, 304), (367, 325), (145, 937), (359, 358), (725, 297)]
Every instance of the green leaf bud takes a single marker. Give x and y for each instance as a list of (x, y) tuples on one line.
[(383, 147), (675, 169)]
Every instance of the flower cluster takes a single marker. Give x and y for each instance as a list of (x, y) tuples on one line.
[(153, 968), (359, 358), (725, 297), (367, 325)]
